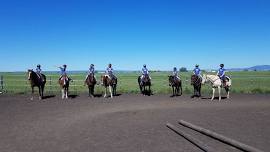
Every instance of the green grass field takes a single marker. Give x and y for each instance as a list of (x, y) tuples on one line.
[(242, 82)]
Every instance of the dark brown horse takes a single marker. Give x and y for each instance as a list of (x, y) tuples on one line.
[(176, 85), (110, 83), (91, 82), (143, 83), (196, 81), (64, 84), (36, 81)]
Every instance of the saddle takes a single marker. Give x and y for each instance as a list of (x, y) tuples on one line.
[(224, 81)]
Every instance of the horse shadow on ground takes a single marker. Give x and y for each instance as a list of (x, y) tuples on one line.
[(147, 93), (215, 98), (117, 95), (48, 96), (72, 96), (97, 95)]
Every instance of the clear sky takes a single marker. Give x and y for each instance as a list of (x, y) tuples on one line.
[(129, 33)]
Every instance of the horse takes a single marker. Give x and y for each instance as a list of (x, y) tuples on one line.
[(36, 80), (109, 82), (91, 82), (64, 84), (143, 83), (176, 85), (196, 81), (216, 83)]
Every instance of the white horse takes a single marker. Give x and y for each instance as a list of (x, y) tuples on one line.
[(216, 83)]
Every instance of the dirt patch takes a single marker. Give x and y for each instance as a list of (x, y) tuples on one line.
[(129, 122)]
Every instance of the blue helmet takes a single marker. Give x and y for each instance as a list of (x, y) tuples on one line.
[(144, 65), (174, 69), (38, 65)]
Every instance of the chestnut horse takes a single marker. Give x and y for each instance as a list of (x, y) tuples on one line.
[(196, 81), (143, 83), (64, 84), (36, 81), (176, 85), (91, 82), (109, 82)]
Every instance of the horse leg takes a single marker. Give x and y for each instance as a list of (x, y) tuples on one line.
[(66, 93), (114, 90), (213, 94), (227, 91), (63, 93), (110, 89), (92, 91), (105, 92), (199, 90), (42, 90), (219, 96), (32, 93), (89, 91), (39, 91)]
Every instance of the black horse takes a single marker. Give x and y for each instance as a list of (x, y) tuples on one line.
[(91, 82), (196, 81), (37, 81), (146, 81), (176, 85)]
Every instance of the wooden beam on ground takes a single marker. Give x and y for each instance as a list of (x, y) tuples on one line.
[(191, 139), (220, 137)]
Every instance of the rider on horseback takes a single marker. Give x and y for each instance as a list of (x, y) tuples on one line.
[(197, 71), (145, 73), (38, 72), (175, 74), (91, 71), (109, 72), (63, 73), (221, 73)]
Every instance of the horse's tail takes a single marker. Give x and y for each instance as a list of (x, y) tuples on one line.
[(139, 80)]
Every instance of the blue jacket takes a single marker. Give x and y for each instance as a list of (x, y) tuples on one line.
[(197, 71), (175, 73), (109, 71), (91, 70), (63, 71), (145, 71), (221, 72), (38, 70)]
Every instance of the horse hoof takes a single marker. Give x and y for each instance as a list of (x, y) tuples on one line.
[(39, 98), (32, 98)]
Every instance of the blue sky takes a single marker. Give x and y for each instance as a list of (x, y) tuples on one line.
[(129, 33)]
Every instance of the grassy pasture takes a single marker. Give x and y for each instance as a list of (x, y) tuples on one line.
[(242, 82)]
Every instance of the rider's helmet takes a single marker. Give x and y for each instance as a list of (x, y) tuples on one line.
[(91, 65), (64, 65), (38, 65), (110, 65), (174, 69), (196, 65), (144, 65), (221, 65)]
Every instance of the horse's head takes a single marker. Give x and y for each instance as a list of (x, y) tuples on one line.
[(171, 79), (29, 72), (204, 79), (146, 78), (193, 79)]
